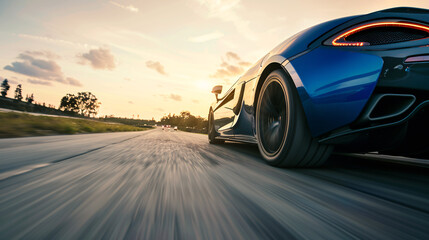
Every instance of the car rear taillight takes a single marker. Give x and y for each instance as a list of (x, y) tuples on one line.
[(379, 33)]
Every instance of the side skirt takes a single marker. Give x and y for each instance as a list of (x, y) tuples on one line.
[(243, 139)]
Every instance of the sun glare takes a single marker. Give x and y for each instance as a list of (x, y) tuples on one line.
[(204, 85)]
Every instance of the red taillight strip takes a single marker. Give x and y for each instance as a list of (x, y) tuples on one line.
[(371, 25), (417, 59)]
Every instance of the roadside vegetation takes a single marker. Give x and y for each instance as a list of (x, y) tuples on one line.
[(186, 122), (21, 124), (83, 107), (129, 121), (82, 104)]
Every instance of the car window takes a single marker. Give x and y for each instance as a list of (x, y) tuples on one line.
[(231, 88), (227, 99)]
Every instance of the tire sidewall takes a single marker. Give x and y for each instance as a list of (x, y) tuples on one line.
[(279, 77), (211, 126)]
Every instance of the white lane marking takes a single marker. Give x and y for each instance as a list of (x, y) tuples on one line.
[(22, 170)]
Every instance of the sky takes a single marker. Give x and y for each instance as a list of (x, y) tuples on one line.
[(150, 58)]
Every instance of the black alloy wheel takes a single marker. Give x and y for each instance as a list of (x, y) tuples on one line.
[(284, 138), (212, 131)]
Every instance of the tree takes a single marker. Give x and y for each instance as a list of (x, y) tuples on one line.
[(30, 98), (5, 87), (88, 104), (186, 121), (84, 103), (18, 92), (69, 103)]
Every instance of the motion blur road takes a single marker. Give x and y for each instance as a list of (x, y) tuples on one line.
[(175, 185)]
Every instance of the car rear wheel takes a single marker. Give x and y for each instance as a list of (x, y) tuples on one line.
[(212, 131), (284, 139)]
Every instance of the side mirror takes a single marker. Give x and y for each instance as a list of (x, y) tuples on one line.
[(217, 90)]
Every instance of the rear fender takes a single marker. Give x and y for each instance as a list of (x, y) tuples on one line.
[(333, 85)]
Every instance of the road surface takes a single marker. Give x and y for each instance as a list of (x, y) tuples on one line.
[(174, 185)]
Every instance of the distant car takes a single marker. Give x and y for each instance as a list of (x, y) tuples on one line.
[(175, 128), (358, 83), (162, 127)]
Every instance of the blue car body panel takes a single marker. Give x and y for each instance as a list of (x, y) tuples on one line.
[(334, 86), (300, 41)]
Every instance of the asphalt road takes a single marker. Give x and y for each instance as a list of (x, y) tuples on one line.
[(174, 185)]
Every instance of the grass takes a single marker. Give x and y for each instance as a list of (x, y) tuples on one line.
[(20, 125)]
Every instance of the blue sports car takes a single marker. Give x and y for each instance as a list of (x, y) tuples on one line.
[(358, 84)]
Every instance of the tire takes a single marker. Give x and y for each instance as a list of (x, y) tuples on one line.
[(284, 138), (212, 131)]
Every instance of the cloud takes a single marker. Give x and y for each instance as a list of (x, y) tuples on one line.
[(159, 109), (137, 34), (231, 55), (230, 68), (157, 66), (39, 82), (130, 102), (206, 37), (98, 58), (176, 97), (44, 69), (47, 54), (130, 8), (172, 96), (55, 41), (245, 64), (35, 67), (230, 71), (226, 10), (195, 101), (73, 82), (127, 79), (217, 7)]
